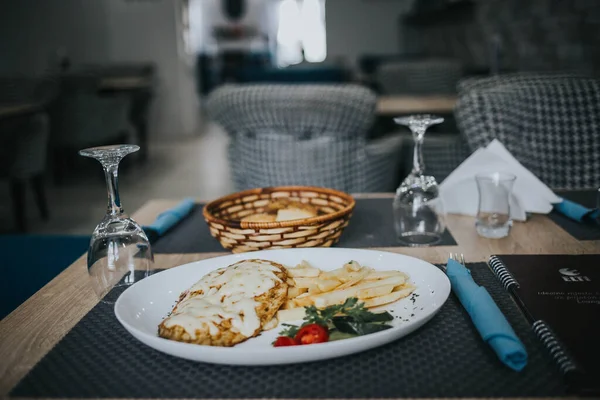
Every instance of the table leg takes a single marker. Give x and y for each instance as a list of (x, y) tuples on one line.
[(17, 188), (39, 192)]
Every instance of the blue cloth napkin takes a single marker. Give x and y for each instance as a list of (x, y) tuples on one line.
[(169, 218), (576, 211), (487, 317)]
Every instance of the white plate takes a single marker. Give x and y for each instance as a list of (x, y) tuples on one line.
[(142, 307)]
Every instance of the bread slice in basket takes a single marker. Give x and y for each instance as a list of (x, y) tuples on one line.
[(229, 305)]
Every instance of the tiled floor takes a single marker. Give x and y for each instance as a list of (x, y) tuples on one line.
[(194, 167)]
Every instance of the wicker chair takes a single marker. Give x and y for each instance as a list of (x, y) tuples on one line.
[(304, 135), (522, 78), (24, 142), (549, 122), (546, 120)]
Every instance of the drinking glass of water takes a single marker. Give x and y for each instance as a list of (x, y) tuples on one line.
[(493, 214)]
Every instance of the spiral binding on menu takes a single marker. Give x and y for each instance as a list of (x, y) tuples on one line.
[(541, 329), (560, 356), (502, 273)]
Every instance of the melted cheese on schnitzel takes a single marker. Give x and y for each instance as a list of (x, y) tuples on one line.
[(225, 294)]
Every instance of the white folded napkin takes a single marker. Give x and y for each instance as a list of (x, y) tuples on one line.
[(459, 189)]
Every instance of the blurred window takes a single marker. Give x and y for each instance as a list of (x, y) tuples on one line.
[(301, 32)]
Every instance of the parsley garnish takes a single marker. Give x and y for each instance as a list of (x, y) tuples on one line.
[(350, 312), (289, 330), (351, 308)]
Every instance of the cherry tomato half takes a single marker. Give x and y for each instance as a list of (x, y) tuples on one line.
[(285, 341), (312, 333)]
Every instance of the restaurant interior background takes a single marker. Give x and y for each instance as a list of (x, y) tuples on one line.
[(154, 64)]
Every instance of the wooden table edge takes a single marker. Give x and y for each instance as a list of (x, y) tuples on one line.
[(404, 104)]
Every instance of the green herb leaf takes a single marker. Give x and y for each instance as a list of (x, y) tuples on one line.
[(337, 335), (351, 317), (349, 325), (289, 330)]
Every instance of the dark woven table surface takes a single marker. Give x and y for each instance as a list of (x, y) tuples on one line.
[(444, 358)]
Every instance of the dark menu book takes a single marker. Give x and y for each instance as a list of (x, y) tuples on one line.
[(560, 295)]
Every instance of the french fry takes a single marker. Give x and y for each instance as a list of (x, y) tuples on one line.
[(352, 266), (404, 286), (304, 272), (305, 282), (375, 275), (294, 291), (334, 297), (326, 285), (311, 286), (288, 304), (375, 291), (355, 277), (393, 280), (314, 289), (304, 301), (304, 264), (293, 314), (388, 298), (333, 274)]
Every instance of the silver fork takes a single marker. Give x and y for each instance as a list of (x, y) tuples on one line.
[(456, 257)]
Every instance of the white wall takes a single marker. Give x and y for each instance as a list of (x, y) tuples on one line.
[(357, 27), (105, 31), (149, 31)]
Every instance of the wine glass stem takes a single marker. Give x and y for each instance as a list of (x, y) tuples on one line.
[(418, 165), (112, 186)]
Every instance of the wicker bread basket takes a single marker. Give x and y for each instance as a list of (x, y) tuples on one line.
[(223, 218)]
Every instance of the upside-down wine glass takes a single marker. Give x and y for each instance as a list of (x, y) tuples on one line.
[(418, 209), (119, 253)]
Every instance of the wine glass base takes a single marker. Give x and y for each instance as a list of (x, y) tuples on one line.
[(493, 232), (113, 294), (420, 239)]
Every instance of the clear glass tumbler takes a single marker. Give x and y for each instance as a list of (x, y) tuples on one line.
[(119, 253), (418, 209), (493, 214)]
